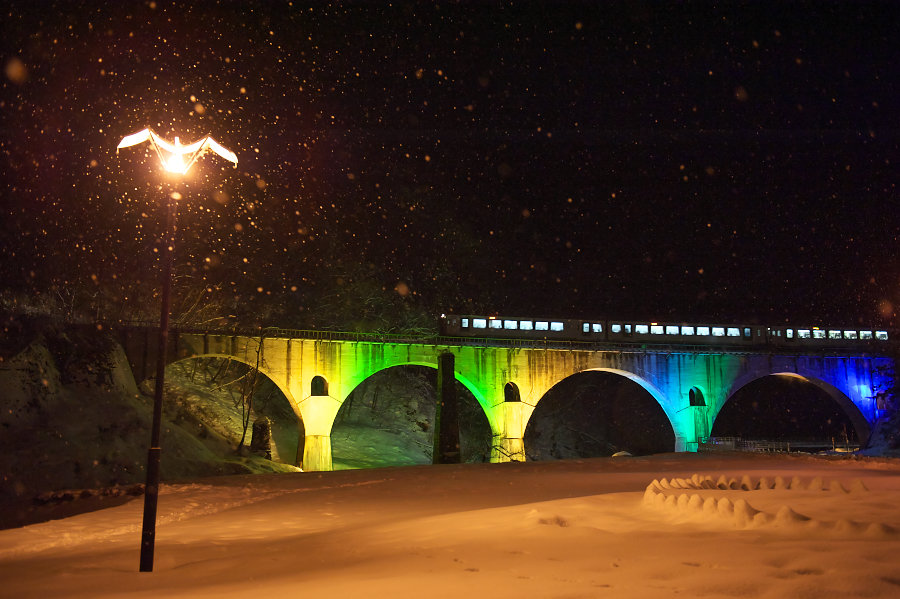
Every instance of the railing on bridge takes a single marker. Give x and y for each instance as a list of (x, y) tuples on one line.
[(440, 340)]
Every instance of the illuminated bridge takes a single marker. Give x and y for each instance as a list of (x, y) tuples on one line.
[(317, 371)]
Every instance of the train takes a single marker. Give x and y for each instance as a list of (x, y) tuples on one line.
[(661, 333)]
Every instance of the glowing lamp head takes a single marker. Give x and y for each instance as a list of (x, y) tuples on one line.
[(175, 157)]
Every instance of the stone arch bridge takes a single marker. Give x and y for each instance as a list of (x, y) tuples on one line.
[(316, 371)]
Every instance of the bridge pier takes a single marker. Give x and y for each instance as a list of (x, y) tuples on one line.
[(318, 413), (510, 418), (317, 453)]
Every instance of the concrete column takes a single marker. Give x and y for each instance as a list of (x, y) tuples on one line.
[(446, 417)]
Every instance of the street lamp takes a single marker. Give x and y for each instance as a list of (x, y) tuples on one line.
[(179, 159)]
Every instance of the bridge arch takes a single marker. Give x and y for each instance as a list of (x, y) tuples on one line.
[(467, 383), (294, 456), (475, 426), (252, 364), (658, 417), (856, 416)]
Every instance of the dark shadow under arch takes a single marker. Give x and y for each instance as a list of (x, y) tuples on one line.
[(786, 407), (388, 420), (595, 414), (205, 389)]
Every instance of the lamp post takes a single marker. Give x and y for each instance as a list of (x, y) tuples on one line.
[(175, 158)]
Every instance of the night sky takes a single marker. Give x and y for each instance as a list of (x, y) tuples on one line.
[(664, 161)]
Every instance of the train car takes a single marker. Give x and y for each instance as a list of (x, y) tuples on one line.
[(487, 327), (825, 337), (663, 333), (686, 334)]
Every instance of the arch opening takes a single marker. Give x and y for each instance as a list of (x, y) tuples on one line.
[(597, 414), (388, 420), (789, 412), (318, 386), (511, 392), (695, 397), (211, 397)]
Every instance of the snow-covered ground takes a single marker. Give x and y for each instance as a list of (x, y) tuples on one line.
[(813, 527)]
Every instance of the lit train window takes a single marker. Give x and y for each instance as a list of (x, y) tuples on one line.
[(479, 323), (818, 333), (496, 324), (747, 332), (526, 325), (596, 328), (585, 327), (541, 326), (627, 329), (734, 332), (641, 329), (834, 334), (656, 329), (556, 326), (865, 334), (881, 335), (687, 330), (804, 334), (671, 329), (851, 335), (718, 331), (703, 331), (465, 323), (615, 328), (789, 333), (510, 324)]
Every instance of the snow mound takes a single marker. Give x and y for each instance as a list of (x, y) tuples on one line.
[(724, 500)]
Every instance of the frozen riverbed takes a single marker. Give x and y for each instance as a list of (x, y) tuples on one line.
[(755, 526)]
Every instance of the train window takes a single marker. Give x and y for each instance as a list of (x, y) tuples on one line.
[(850, 335), (496, 324), (818, 334), (526, 325), (671, 329), (804, 334), (718, 331), (747, 332), (703, 331), (865, 334), (627, 329), (687, 330), (465, 323), (641, 329), (596, 328), (479, 323), (556, 326), (834, 334), (881, 335), (541, 326), (585, 327), (511, 324), (656, 329), (734, 332), (615, 328), (789, 333)]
